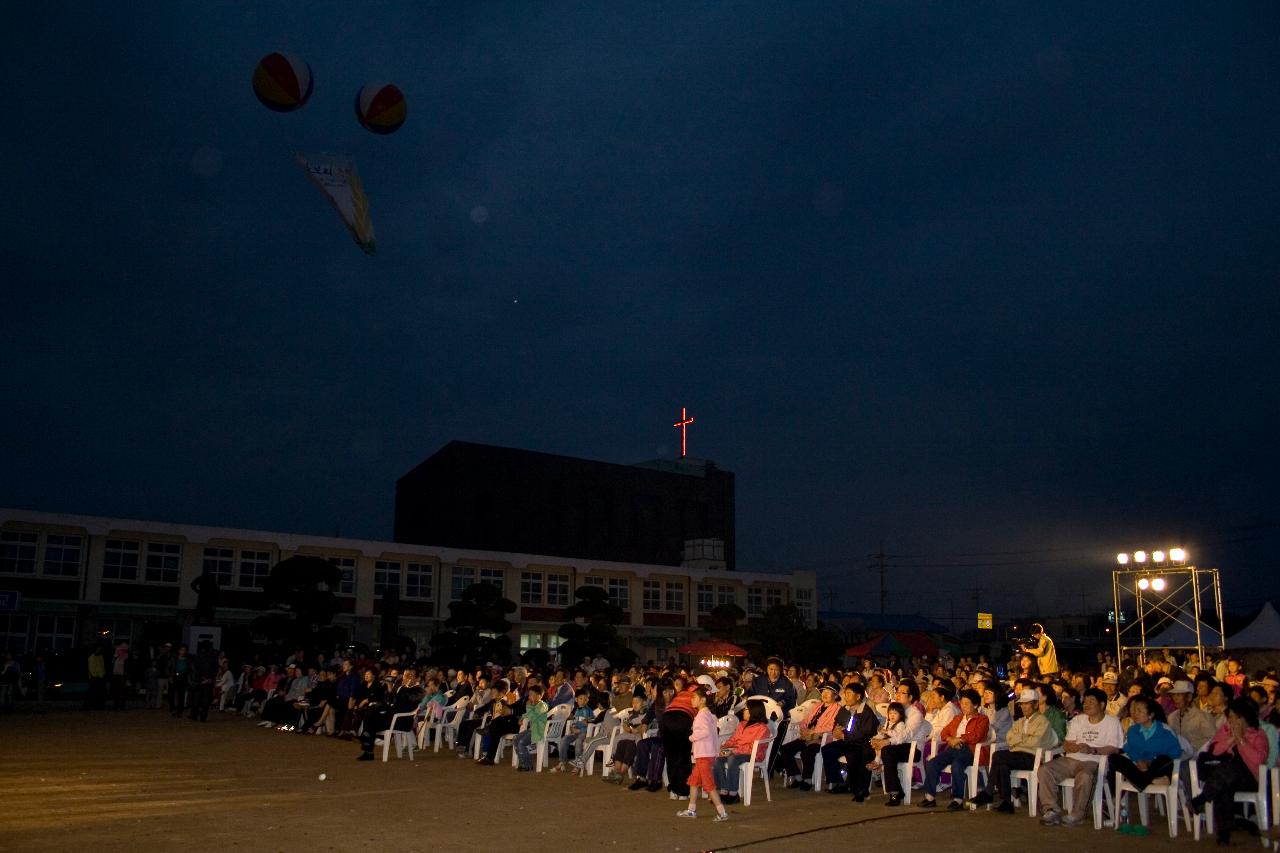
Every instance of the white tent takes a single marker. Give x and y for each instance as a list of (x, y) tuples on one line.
[(1262, 633), (1181, 634)]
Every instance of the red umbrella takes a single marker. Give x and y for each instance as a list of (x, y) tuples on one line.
[(715, 648)]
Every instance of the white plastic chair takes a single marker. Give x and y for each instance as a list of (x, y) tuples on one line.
[(1031, 777), (1274, 775), (816, 779), (749, 769), (403, 740), (1253, 801), (1170, 792), (509, 741), (1101, 792), (612, 725), (446, 729), (551, 735), (477, 737), (980, 768), (905, 770)]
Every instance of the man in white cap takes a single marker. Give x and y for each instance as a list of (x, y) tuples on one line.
[(1115, 703), (1030, 732), (1187, 719)]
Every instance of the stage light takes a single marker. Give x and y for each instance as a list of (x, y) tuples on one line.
[(1157, 556), (1158, 584), (1143, 583), (1122, 559), (1177, 555), (1139, 556)]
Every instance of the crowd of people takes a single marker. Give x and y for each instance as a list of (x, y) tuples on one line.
[(688, 731)]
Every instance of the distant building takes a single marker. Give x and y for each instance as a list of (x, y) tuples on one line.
[(64, 579), (666, 512)]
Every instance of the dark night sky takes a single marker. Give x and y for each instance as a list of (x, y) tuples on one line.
[(965, 279)]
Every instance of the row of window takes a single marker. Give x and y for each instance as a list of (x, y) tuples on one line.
[(22, 632), (20, 554), (247, 568)]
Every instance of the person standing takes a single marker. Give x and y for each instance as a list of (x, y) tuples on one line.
[(203, 672), (95, 697), (179, 675), (674, 727), (1041, 647), (119, 676), (704, 739)]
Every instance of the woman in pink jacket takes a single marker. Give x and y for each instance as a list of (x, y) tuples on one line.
[(1229, 763)]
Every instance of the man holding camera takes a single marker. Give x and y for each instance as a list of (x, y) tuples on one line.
[(1042, 648)]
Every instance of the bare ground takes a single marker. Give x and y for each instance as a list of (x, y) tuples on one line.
[(144, 781)]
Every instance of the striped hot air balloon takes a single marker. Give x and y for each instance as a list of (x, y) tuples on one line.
[(380, 107), (283, 83)]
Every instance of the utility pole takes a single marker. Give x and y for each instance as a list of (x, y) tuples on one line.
[(878, 563), (977, 591)]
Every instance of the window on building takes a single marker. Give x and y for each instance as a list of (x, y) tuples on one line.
[(531, 587), (14, 632), (772, 597), (652, 595), (120, 560), (593, 580), (463, 577), (255, 566), (725, 595), (419, 581), (557, 590), (494, 577), (706, 597), (755, 601), (804, 603), (62, 555), (386, 575), (675, 597), (347, 565), (55, 632), (18, 552), (550, 642), (220, 564), (116, 630), (620, 593), (164, 562)]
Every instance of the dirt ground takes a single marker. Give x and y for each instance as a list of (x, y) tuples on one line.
[(144, 781)]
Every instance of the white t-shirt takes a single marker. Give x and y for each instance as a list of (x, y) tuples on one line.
[(1106, 732)]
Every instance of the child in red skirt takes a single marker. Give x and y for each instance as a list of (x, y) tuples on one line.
[(706, 745)]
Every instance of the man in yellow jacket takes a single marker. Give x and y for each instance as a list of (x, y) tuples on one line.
[(1042, 648)]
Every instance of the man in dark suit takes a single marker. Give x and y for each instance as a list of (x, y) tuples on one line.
[(856, 723)]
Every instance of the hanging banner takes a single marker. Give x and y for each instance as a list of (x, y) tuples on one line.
[(336, 177)]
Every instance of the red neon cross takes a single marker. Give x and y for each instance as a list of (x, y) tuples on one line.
[(683, 426)]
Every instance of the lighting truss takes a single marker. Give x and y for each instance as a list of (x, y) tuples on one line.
[(1191, 600)]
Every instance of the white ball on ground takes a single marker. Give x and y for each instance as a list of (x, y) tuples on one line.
[(322, 777)]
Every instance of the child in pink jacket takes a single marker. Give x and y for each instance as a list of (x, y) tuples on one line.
[(706, 745)]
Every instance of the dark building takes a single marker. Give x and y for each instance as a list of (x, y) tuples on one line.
[(502, 499)]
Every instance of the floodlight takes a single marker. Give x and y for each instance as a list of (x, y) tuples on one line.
[(1139, 556), (1157, 556), (1158, 584), (1143, 583), (1122, 559), (1177, 555)]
